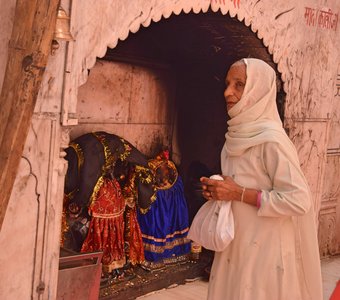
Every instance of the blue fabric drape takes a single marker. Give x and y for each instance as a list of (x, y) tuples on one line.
[(165, 226)]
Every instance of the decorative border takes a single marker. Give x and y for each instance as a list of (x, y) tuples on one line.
[(197, 7)]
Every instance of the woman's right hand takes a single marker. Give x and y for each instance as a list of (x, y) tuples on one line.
[(226, 189)]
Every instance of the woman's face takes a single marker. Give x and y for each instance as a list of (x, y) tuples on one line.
[(235, 83)]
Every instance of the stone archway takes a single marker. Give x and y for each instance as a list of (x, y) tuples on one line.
[(94, 38), (193, 51), (105, 36), (277, 24)]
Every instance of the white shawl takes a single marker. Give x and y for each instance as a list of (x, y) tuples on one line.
[(254, 121)]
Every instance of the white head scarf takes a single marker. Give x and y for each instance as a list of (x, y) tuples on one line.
[(255, 118)]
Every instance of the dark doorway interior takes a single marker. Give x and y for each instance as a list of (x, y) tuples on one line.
[(199, 48)]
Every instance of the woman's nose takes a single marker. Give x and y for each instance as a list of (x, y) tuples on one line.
[(227, 92)]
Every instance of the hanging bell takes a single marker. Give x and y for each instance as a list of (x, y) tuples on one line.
[(62, 27)]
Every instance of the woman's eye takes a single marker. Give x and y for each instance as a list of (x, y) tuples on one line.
[(240, 84)]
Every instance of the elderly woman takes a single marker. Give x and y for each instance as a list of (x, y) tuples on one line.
[(274, 254)]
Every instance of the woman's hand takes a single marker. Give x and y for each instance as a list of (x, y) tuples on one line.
[(226, 189)]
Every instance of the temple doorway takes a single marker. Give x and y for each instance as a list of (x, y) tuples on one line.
[(166, 83)]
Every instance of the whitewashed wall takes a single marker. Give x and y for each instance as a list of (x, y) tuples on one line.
[(29, 239), (329, 216), (307, 55)]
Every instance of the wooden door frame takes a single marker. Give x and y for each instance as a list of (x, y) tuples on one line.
[(27, 59)]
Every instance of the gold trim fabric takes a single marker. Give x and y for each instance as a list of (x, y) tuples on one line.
[(167, 246)]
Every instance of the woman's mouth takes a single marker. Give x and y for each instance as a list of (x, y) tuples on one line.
[(230, 105)]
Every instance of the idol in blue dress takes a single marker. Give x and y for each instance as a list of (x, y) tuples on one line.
[(165, 225)]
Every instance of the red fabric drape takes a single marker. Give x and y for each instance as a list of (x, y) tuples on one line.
[(133, 236), (106, 231)]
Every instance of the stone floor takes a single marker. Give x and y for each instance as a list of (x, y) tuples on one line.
[(143, 282), (197, 290)]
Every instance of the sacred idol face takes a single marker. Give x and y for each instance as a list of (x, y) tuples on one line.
[(166, 175), (235, 83)]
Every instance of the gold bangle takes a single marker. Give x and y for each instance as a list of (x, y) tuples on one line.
[(243, 190)]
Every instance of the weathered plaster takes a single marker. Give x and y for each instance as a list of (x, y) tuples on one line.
[(131, 101), (329, 233), (19, 231), (50, 93), (310, 137), (28, 249)]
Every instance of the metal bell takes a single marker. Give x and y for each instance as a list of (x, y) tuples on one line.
[(62, 27)]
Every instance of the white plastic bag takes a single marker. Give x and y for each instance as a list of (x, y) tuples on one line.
[(213, 225)]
